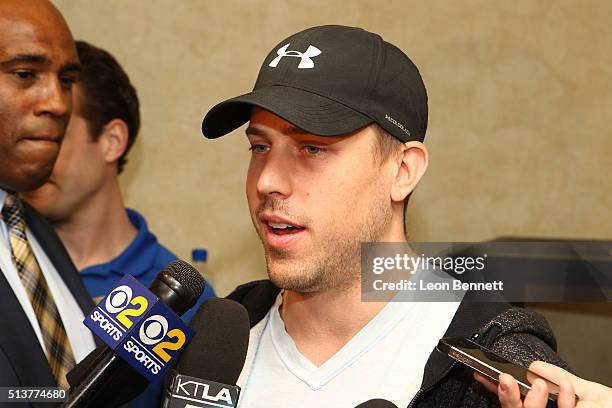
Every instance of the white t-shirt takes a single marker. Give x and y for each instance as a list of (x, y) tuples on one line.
[(385, 359)]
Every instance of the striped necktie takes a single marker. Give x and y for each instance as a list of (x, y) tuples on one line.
[(57, 347)]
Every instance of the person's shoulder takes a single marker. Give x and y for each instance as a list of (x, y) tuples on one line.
[(523, 336), (519, 334), (163, 255), (257, 297), (252, 289)]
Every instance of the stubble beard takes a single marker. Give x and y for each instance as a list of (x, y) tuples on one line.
[(335, 264)]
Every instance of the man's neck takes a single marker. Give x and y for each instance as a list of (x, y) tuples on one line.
[(320, 324), (100, 231)]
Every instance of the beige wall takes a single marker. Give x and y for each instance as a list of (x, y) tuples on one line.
[(519, 136)]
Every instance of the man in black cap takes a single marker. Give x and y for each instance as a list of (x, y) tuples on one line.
[(336, 124)]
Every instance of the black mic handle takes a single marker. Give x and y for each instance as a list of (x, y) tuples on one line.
[(82, 395), (110, 367), (86, 392)]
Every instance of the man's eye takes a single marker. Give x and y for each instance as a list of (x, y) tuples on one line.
[(258, 148), (24, 75), (67, 81), (312, 149)]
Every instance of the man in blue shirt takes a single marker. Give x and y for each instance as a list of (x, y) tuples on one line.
[(143, 259), (82, 198)]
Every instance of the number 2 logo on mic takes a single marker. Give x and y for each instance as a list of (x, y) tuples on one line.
[(155, 341), (139, 327), (114, 317)]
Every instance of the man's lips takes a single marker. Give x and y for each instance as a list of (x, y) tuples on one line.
[(278, 219), (44, 138), (279, 231)]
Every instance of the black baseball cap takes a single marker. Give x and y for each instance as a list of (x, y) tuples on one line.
[(332, 80)]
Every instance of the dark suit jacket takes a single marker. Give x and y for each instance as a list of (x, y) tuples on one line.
[(22, 361)]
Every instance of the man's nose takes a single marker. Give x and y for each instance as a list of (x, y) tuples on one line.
[(276, 175), (54, 99)]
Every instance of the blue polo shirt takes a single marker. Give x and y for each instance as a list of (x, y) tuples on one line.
[(142, 259)]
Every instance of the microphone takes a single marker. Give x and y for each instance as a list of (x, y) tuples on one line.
[(208, 370), (105, 379), (377, 403)]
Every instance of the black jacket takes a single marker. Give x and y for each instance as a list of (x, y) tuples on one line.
[(520, 335), (22, 361)]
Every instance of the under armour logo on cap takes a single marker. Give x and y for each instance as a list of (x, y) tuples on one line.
[(306, 57)]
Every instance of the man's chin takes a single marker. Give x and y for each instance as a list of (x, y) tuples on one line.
[(29, 180), (43, 192), (47, 190), (289, 276), (293, 284)]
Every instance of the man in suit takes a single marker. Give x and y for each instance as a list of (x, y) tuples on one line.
[(82, 199), (43, 300)]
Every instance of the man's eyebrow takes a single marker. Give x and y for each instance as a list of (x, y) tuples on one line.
[(289, 130), (39, 60), (254, 130), (30, 58), (71, 67)]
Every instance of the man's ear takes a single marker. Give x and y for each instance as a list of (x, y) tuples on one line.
[(411, 164), (114, 140)]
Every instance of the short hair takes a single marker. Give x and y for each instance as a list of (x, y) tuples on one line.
[(107, 94), (386, 145), (385, 148)]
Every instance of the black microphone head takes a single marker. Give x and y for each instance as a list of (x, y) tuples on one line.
[(377, 403), (178, 285), (187, 275), (219, 347)]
